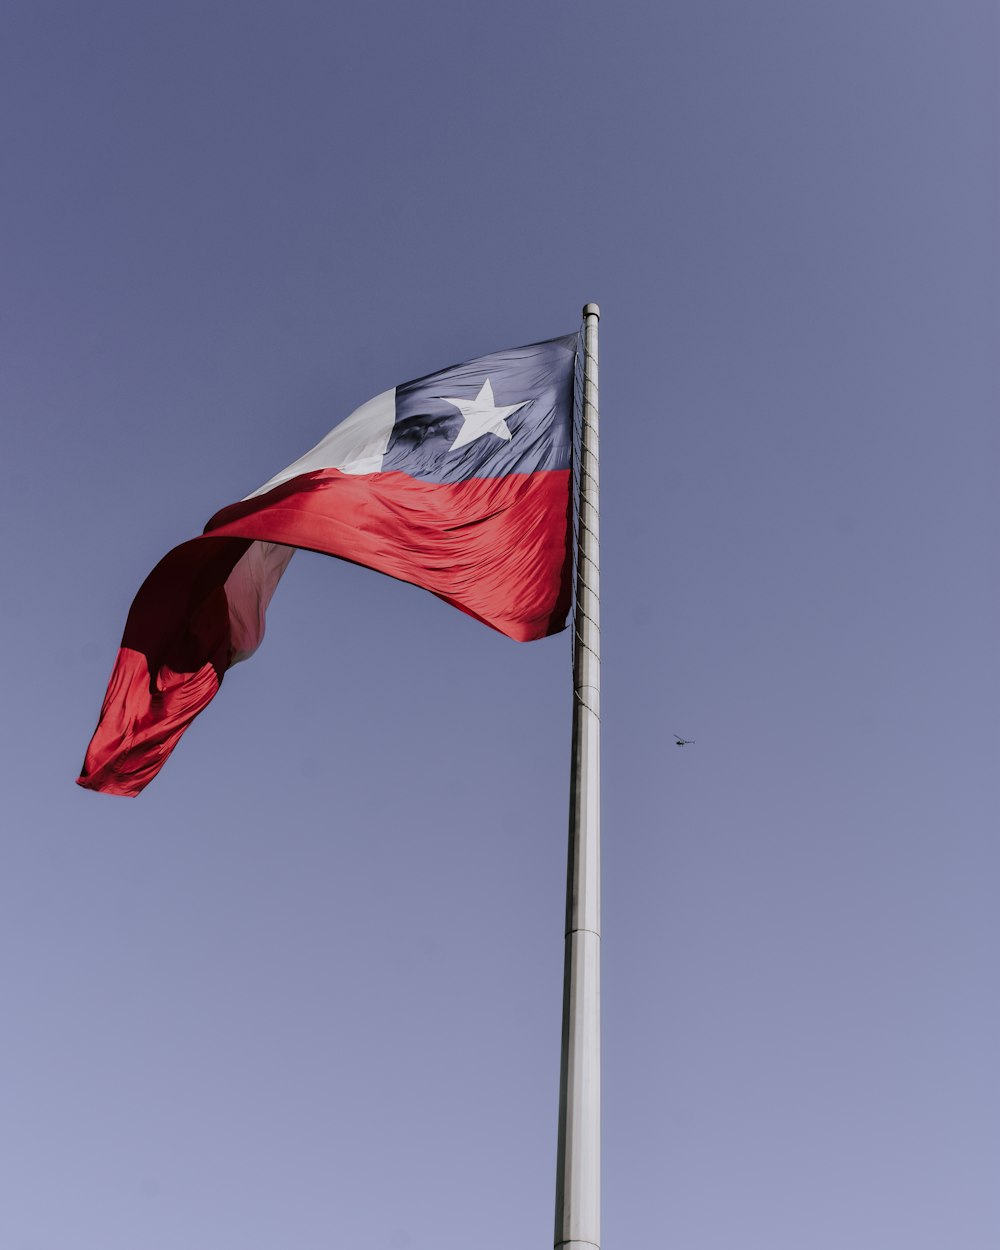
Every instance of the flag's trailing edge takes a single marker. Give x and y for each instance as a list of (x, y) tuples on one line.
[(458, 482)]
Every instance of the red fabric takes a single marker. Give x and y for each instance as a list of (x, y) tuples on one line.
[(497, 548)]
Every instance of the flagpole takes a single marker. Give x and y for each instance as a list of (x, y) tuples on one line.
[(578, 1167)]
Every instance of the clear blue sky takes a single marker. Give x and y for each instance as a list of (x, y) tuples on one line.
[(305, 991)]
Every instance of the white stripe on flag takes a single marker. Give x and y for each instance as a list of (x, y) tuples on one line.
[(356, 445)]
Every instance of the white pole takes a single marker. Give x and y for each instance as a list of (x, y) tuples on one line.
[(578, 1168)]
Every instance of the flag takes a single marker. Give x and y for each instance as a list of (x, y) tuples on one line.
[(458, 482)]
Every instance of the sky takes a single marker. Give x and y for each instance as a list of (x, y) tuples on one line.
[(306, 989)]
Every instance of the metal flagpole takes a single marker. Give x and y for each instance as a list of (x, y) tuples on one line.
[(578, 1168)]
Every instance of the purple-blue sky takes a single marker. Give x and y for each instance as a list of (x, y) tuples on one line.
[(305, 991)]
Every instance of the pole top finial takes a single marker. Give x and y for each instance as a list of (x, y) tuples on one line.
[(591, 310)]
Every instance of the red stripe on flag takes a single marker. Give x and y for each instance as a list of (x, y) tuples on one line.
[(497, 548)]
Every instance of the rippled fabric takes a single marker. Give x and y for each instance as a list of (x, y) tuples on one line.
[(469, 498)]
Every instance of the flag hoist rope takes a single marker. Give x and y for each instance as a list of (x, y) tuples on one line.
[(578, 1169)]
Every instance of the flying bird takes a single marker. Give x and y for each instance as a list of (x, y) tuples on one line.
[(682, 742)]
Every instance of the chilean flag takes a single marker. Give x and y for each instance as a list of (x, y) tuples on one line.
[(457, 482)]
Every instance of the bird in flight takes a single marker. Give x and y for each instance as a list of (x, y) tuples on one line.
[(682, 742)]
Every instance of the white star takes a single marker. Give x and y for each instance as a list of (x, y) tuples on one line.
[(482, 416)]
